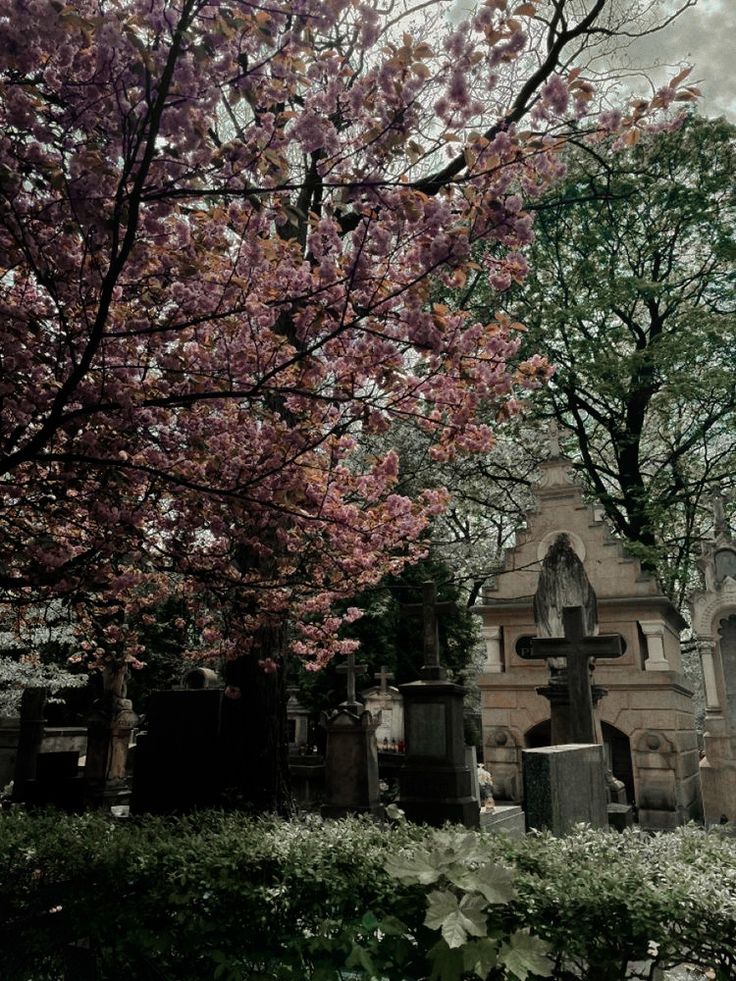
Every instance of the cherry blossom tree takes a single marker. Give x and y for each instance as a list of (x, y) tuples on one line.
[(219, 226)]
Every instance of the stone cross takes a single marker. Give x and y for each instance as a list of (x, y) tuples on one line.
[(351, 669), (431, 670), (577, 649), (554, 440), (383, 676), (720, 522)]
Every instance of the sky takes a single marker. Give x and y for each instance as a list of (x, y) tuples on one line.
[(703, 36)]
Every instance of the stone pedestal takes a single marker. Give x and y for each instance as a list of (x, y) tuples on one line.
[(9, 735), (504, 818), (563, 786), (435, 780), (181, 757), (30, 738), (297, 718), (718, 779), (351, 764), (108, 739)]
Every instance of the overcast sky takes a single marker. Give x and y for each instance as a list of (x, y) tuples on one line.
[(704, 36)]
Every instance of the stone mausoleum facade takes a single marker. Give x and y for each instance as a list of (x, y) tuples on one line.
[(646, 717)]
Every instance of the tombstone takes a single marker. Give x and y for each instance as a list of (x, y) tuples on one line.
[(435, 780), (111, 725), (33, 701), (563, 786), (47, 771), (714, 624), (195, 679), (351, 759), (646, 690), (570, 656), (180, 754), (386, 702), (297, 721)]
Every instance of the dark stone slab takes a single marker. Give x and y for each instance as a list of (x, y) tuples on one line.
[(620, 816), (351, 765), (435, 780), (564, 785), (180, 758)]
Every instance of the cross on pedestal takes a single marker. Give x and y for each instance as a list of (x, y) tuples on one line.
[(351, 669), (577, 649), (383, 677), (431, 670)]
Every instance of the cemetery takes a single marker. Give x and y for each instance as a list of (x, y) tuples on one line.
[(367, 491)]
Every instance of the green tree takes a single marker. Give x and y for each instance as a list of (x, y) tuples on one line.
[(390, 635), (631, 296)]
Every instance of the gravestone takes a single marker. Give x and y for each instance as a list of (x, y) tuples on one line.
[(385, 702), (180, 754), (351, 758), (47, 763), (297, 720), (573, 721), (435, 780), (563, 786), (565, 612)]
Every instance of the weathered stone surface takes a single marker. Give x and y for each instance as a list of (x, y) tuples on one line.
[(351, 765), (506, 819), (646, 691), (564, 785), (435, 780)]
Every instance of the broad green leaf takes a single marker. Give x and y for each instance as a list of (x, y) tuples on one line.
[(440, 906), (524, 955), (360, 958), (473, 908), (392, 926), (454, 929), (417, 867), (480, 957), (447, 965), (495, 882)]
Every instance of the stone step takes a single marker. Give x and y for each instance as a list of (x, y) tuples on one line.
[(508, 818)]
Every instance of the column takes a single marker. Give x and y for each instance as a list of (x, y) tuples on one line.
[(656, 660), (492, 638), (712, 703)]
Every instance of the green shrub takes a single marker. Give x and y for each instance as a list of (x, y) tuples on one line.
[(215, 896)]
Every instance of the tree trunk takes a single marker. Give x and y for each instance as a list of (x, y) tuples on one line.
[(255, 728)]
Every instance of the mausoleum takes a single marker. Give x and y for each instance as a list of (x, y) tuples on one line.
[(646, 713)]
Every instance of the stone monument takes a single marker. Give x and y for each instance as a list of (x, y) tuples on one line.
[(435, 780), (646, 718), (564, 785), (714, 624), (386, 701), (351, 759)]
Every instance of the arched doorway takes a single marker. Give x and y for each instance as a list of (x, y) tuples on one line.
[(617, 749)]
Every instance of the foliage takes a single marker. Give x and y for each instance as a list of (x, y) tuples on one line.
[(217, 231), (29, 672), (631, 295), (223, 896), (466, 905), (391, 636)]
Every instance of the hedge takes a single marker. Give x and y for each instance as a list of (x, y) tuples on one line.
[(224, 896)]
